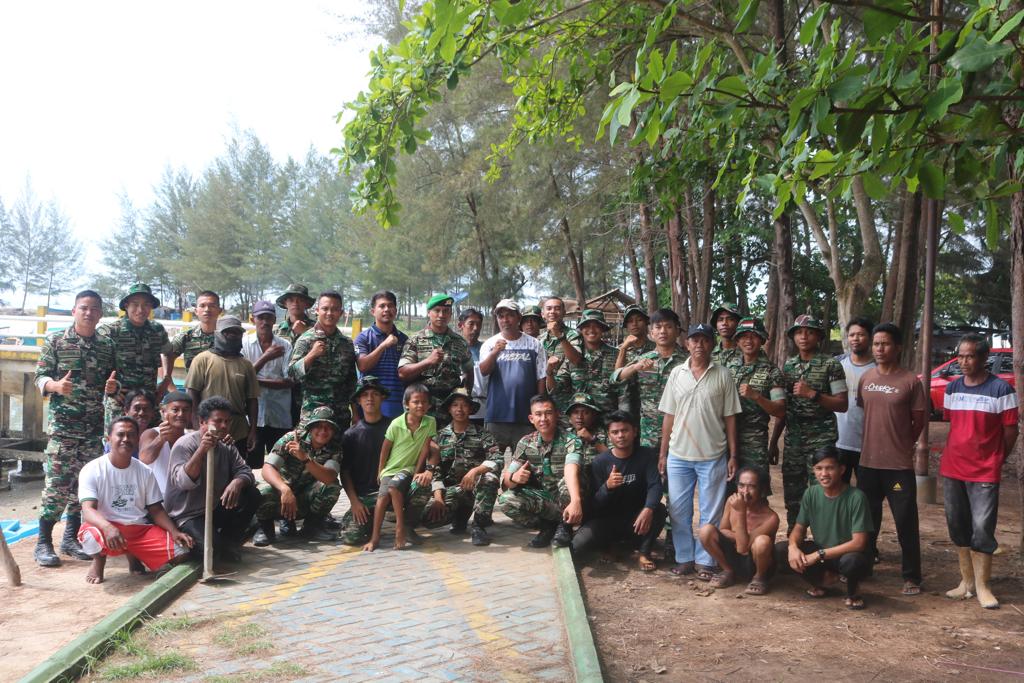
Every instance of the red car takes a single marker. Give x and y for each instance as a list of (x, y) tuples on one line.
[(1000, 363)]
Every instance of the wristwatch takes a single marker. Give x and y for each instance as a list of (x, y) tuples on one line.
[(821, 554)]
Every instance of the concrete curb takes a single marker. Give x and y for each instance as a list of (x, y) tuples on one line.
[(67, 663), (586, 667)]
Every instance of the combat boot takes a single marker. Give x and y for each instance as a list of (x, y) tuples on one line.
[(69, 544), (479, 535), (544, 536), (460, 521), (266, 534), (44, 555), (315, 531), (563, 535)]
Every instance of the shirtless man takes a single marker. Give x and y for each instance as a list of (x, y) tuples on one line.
[(744, 545)]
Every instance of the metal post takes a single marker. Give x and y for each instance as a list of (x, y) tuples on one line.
[(208, 532)]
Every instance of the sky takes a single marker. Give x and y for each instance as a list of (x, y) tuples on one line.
[(100, 98)]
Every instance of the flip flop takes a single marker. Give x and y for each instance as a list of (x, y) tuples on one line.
[(646, 564), (705, 574), (682, 569), (815, 593), (911, 588), (756, 587), (723, 579), (854, 603)]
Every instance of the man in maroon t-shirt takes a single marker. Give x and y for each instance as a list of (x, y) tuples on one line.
[(982, 411), (895, 407)]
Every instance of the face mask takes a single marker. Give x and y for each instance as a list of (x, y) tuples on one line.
[(223, 346)]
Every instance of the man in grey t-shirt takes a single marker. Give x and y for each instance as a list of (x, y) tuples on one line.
[(855, 363)]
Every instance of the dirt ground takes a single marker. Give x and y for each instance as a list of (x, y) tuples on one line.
[(657, 627)]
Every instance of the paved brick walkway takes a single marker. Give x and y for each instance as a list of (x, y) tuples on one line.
[(445, 611)]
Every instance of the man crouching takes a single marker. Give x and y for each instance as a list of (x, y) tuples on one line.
[(117, 492)]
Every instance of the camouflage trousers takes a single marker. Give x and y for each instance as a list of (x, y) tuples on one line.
[(313, 501), (754, 453), (532, 507), (479, 500), (65, 458), (802, 440), (354, 533)]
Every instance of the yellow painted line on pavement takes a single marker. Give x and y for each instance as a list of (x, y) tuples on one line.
[(317, 570)]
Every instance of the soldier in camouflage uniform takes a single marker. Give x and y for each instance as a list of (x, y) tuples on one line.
[(561, 343), (189, 343), (585, 421), (76, 369), (762, 390), (724, 319), (532, 321), (296, 301), (637, 342), (437, 356), (593, 375), (542, 482), (300, 477), (323, 361), (140, 343), (815, 390), (468, 471)]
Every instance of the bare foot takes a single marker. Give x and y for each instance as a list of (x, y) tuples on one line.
[(400, 540), (646, 564), (95, 573), (371, 546)]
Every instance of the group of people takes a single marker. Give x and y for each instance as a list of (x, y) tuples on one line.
[(587, 443)]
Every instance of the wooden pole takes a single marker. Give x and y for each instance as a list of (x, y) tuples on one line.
[(208, 531), (10, 566)]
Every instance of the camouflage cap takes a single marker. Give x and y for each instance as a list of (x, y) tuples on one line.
[(321, 414), (726, 307), (592, 316), (139, 288), (581, 398), (635, 310), (460, 393), (808, 321), (753, 325), (295, 290), (533, 312), (368, 382), (438, 299)]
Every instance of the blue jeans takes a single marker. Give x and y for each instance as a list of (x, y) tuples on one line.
[(708, 478)]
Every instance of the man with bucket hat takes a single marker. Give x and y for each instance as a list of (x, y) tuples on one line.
[(762, 390), (724, 319), (594, 372), (815, 391), (139, 342), (360, 446), (437, 356), (300, 479), (297, 302)]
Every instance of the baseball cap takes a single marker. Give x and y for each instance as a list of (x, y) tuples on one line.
[(228, 322), (701, 328), (263, 308), (508, 305)]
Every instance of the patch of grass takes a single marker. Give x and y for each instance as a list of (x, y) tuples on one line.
[(282, 669), (148, 665), (124, 641), (253, 647), (275, 672), (244, 639), (165, 625)]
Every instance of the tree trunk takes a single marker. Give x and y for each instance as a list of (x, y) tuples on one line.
[(647, 243), (634, 270), (482, 249), (692, 257), (575, 262), (706, 255), (677, 266), (781, 291), (1017, 332)]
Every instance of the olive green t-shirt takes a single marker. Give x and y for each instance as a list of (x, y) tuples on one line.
[(834, 521), (231, 377)]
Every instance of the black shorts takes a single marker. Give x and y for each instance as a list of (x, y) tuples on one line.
[(742, 565)]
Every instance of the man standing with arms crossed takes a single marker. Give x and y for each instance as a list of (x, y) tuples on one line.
[(855, 363)]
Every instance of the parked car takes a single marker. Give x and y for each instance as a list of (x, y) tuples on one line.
[(1000, 363)]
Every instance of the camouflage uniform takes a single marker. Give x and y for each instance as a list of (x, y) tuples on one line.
[(138, 358), (76, 421), (593, 376), (354, 533), (650, 386), (630, 395), (284, 328), (809, 425), (440, 379), (553, 347), (313, 498), (727, 357), (332, 378), (546, 495), (752, 424), (190, 343)]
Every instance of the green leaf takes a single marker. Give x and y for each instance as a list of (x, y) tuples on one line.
[(847, 87), (1006, 28), (657, 65), (823, 162), (879, 25), (874, 186), (949, 92), (673, 85), (733, 85), (625, 111), (851, 129), (810, 27), (1005, 189), (912, 183), (933, 183), (992, 227), (956, 222), (745, 17), (978, 54)]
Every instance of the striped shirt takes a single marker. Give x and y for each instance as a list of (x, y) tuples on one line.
[(975, 448), (386, 369)]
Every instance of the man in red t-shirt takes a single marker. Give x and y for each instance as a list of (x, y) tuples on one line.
[(895, 409), (982, 413)]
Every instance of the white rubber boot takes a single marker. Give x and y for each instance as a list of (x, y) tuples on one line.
[(982, 573), (966, 588)]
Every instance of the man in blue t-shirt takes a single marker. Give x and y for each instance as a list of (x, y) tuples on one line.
[(515, 365), (379, 348)]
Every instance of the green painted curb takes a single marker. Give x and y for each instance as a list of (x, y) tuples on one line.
[(585, 664), (68, 662)]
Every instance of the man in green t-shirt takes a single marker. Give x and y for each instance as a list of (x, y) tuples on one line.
[(838, 516)]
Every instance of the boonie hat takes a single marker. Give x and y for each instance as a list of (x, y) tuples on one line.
[(592, 316), (460, 393), (263, 308), (633, 309), (581, 398), (701, 329), (321, 414), (438, 299), (533, 312), (369, 382), (751, 324), (296, 290), (805, 320), (139, 288), (726, 307), (228, 322), (508, 305)]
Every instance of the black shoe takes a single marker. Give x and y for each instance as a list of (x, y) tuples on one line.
[(412, 537), (69, 544), (543, 537), (288, 528), (265, 535), (315, 532), (483, 521), (331, 524), (43, 554), (563, 535), (479, 535), (460, 521)]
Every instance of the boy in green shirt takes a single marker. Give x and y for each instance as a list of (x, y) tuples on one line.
[(407, 443)]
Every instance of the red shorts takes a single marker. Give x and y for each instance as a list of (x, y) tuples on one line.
[(150, 544)]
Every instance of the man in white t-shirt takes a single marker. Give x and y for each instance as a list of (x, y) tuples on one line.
[(850, 424), (117, 493), (515, 365)]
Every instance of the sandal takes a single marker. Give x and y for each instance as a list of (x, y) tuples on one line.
[(704, 573), (756, 587), (646, 564), (722, 579), (815, 592), (682, 569), (854, 602), (911, 588)]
